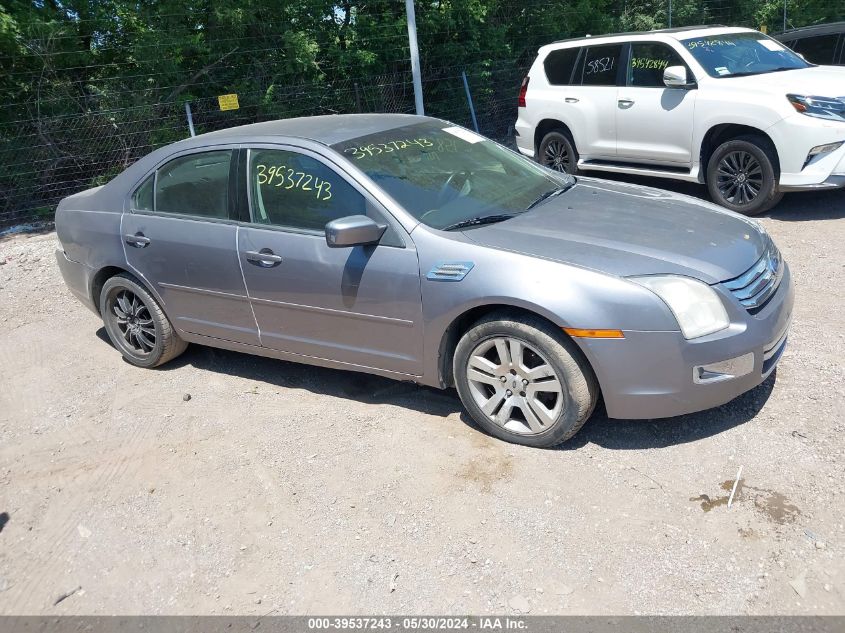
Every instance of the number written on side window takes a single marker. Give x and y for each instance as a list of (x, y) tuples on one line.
[(287, 178), (601, 65)]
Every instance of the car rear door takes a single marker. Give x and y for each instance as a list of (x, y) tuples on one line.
[(358, 305), (654, 123), (594, 91), (180, 237)]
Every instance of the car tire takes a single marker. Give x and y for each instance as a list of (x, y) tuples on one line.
[(557, 151), (534, 414), (136, 324), (740, 167)]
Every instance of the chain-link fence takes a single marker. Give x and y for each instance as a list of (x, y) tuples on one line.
[(76, 125)]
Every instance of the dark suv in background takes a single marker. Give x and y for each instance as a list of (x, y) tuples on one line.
[(823, 44)]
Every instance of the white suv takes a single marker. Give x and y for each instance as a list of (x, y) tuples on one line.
[(729, 107)]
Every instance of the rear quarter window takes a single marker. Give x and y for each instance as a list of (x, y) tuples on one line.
[(560, 64)]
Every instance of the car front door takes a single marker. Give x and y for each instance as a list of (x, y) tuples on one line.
[(593, 96), (654, 123), (180, 237), (359, 305)]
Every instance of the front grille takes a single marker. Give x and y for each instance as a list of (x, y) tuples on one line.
[(759, 283)]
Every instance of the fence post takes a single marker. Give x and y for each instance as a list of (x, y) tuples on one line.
[(357, 96), (469, 100), (190, 118), (415, 56)]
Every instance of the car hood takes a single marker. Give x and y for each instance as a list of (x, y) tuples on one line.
[(824, 81), (625, 230)]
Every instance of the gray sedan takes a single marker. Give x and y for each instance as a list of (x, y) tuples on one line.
[(415, 249)]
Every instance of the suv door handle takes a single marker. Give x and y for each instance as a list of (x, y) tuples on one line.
[(571, 100), (138, 240), (265, 258), (626, 103)]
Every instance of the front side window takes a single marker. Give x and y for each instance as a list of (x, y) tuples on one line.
[(196, 184), (444, 175), (559, 65), (293, 190), (738, 54), (818, 50), (648, 61), (601, 64)]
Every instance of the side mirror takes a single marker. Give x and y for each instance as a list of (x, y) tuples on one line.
[(353, 230), (676, 77)]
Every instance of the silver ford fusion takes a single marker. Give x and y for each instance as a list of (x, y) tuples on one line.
[(411, 248)]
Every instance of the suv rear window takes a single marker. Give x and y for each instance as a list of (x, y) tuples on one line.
[(601, 64), (559, 65)]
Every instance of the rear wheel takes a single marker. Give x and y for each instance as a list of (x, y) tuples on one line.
[(557, 151), (523, 381), (136, 324), (741, 175)]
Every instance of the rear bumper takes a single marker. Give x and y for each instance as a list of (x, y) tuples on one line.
[(77, 278), (651, 374), (524, 137)]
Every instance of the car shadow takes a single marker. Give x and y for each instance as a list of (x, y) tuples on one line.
[(368, 389), (795, 207)]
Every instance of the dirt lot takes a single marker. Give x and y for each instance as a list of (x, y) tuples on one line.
[(279, 488)]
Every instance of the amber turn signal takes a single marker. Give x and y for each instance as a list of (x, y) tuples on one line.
[(582, 333)]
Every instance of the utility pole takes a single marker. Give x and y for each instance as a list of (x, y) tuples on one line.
[(784, 15), (415, 56), (670, 14)]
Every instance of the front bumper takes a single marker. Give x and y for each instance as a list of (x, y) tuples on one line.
[(794, 136), (651, 374)]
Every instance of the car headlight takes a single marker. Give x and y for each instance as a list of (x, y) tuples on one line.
[(829, 108), (696, 306)]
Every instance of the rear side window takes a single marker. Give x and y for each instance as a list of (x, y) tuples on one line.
[(648, 61), (142, 200), (817, 50), (559, 65), (601, 63), (197, 184)]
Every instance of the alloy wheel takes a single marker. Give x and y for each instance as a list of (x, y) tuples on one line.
[(515, 386), (134, 321), (739, 177), (556, 156)]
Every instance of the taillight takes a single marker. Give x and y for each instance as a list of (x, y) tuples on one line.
[(523, 89)]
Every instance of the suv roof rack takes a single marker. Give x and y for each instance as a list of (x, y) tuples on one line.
[(679, 29)]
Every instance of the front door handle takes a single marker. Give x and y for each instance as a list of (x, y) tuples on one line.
[(571, 100), (265, 258), (626, 103), (138, 240)]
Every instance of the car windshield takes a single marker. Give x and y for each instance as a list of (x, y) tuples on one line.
[(738, 54), (449, 177)]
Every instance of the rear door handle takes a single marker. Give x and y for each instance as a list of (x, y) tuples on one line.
[(265, 257), (625, 103), (571, 100), (138, 240)]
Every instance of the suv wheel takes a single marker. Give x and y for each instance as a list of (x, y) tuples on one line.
[(741, 175), (557, 151), (523, 380), (136, 324)]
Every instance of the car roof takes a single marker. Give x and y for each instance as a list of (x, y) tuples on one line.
[(809, 31), (327, 129), (677, 34)]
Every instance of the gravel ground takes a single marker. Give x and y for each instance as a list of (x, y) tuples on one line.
[(279, 488)]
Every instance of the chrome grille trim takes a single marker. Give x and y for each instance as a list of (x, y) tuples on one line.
[(755, 287)]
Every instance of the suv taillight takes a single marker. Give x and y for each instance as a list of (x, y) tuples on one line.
[(522, 90)]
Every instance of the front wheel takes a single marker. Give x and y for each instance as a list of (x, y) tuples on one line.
[(136, 324), (524, 381), (741, 175)]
